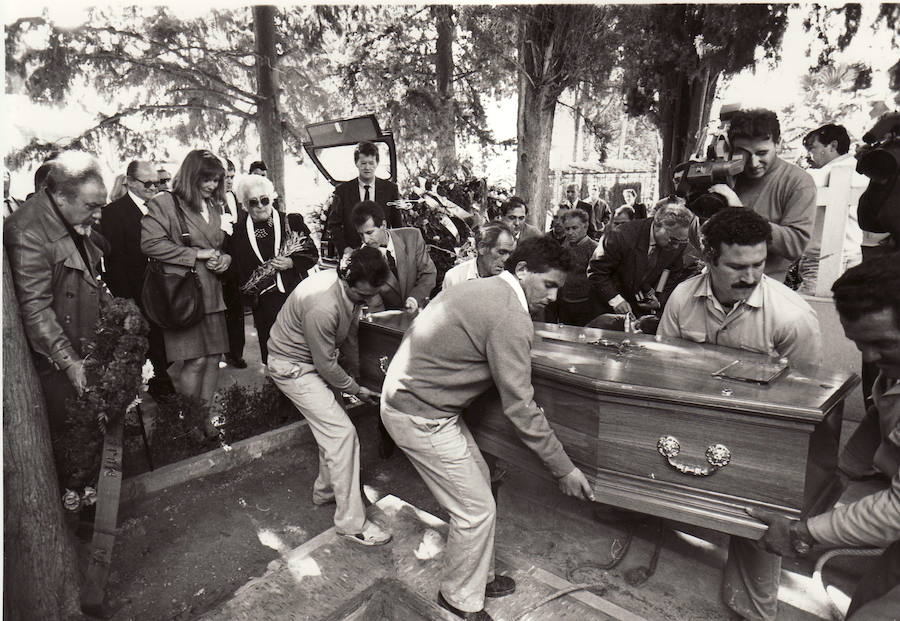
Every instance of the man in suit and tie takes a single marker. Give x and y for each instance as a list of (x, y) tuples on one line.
[(514, 211), (366, 187), (626, 266), (413, 274), (231, 288), (120, 224)]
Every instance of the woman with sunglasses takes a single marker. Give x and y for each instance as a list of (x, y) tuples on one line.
[(198, 190), (259, 236)]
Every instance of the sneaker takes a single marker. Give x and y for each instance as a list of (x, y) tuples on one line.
[(481, 615), (372, 535), (500, 586)]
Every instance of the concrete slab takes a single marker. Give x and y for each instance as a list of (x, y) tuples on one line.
[(328, 576)]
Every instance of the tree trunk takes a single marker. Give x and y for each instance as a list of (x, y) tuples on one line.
[(268, 113), (446, 108), (40, 576)]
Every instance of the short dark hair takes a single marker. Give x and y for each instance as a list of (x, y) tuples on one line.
[(513, 202), (489, 232), (258, 165), (541, 254), (581, 214), (132, 169), (757, 124), (363, 210), (365, 264), (229, 165), (734, 225), (869, 287), (827, 134), (40, 175), (366, 148)]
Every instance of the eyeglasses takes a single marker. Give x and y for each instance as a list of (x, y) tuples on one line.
[(148, 184), (256, 202), (165, 181)]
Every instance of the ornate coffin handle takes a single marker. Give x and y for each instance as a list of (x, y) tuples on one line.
[(718, 456), (383, 363)]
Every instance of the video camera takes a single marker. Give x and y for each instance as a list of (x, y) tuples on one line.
[(694, 177), (879, 160)]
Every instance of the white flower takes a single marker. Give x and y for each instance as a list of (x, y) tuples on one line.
[(71, 500), (89, 497), (147, 373)]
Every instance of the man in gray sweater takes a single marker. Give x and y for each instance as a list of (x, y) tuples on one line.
[(473, 336), (321, 316)]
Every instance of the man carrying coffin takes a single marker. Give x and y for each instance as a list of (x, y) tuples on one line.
[(477, 334)]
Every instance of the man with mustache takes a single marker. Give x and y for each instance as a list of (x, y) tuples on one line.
[(733, 303)]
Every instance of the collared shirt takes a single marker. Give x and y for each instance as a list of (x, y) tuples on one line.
[(467, 270), (517, 287), (389, 247), (141, 203), (362, 190), (774, 320), (873, 520)]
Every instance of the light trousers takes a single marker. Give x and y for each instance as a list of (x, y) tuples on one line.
[(445, 455), (334, 433)]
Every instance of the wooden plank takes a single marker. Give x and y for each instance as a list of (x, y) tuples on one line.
[(592, 600)]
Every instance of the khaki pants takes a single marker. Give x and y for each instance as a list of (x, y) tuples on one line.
[(444, 453), (335, 435)]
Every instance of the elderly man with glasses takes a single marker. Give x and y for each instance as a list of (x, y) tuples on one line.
[(120, 224)]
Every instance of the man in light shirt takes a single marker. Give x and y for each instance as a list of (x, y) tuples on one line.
[(494, 243), (828, 148), (735, 304)]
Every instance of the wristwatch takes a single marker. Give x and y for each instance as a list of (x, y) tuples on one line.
[(802, 540)]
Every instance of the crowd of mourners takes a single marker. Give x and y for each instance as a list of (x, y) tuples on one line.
[(657, 269)]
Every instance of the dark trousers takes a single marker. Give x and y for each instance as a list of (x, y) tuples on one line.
[(156, 353), (57, 391), (877, 596), (234, 316), (264, 316), (576, 313)]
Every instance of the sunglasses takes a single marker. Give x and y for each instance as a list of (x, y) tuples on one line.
[(165, 181), (254, 202), (148, 184)]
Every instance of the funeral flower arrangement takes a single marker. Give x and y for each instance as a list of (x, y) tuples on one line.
[(116, 369), (293, 243)]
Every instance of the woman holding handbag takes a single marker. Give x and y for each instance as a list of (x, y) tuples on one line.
[(260, 236), (182, 232)]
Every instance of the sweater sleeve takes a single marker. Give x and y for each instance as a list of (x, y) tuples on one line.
[(792, 232), (509, 358), (320, 331), (873, 520)]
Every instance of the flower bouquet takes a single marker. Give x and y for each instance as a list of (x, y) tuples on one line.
[(293, 243)]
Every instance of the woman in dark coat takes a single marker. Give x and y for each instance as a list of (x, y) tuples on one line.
[(258, 237), (198, 191)]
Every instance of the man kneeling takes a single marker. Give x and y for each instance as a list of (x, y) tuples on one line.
[(320, 316), (476, 334)]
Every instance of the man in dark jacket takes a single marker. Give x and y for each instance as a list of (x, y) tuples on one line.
[(366, 187), (120, 224), (55, 261)]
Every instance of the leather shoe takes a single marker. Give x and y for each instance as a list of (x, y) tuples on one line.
[(481, 615), (237, 363), (500, 586)]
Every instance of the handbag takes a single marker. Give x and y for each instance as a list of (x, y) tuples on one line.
[(173, 301)]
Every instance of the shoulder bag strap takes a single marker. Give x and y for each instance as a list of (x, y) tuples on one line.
[(185, 236)]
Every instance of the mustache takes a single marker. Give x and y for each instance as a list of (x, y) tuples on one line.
[(743, 285)]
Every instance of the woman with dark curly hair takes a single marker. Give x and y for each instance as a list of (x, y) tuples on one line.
[(198, 190)]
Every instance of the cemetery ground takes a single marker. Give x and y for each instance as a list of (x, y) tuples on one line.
[(186, 549)]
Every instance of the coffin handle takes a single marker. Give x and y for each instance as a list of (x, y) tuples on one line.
[(718, 456), (383, 363)]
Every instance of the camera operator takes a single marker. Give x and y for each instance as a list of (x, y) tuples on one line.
[(782, 193)]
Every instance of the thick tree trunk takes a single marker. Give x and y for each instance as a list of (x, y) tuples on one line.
[(268, 113), (446, 108), (535, 129), (40, 577)]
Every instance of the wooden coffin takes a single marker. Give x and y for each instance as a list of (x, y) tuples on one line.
[(618, 407)]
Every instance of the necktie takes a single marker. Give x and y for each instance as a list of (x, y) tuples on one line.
[(366, 197), (392, 263)]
